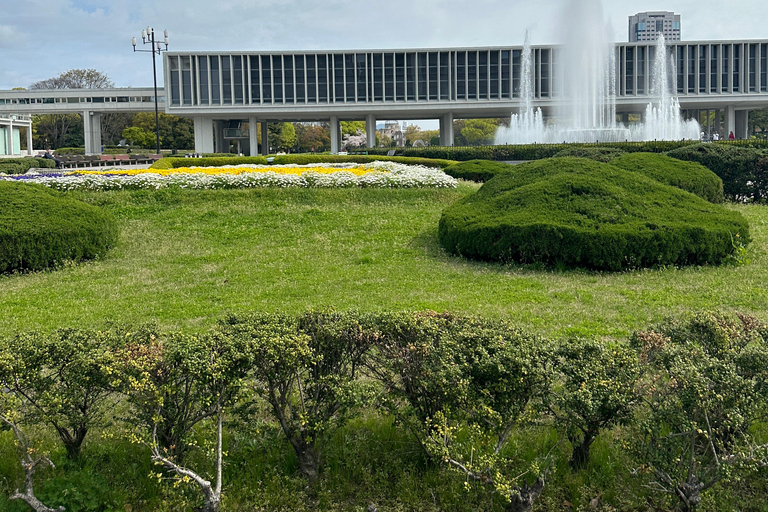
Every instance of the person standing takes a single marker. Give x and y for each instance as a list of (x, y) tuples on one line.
[(731, 136)]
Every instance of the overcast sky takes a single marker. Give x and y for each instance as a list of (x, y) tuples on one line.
[(41, 38)]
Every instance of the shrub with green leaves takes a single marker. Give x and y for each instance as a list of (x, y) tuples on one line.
[(22, 165), (302, 159), (476, 170), (41, 228), (576, 212), (598, 153), (689, 176), (738, 167)]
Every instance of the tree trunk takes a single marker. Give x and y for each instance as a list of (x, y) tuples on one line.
[(521, 499), (308, 464), (580, 453), (690, 494)]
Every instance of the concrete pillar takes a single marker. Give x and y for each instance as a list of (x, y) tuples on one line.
[(730, 120), (253, 136), (218, 137), (335, 135), (370, 130), (9, 138), (446, 130), (742, 124), (264, 139), (92, 132), (203, 135)]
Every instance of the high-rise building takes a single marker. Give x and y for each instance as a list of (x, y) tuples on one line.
[(646, 26)]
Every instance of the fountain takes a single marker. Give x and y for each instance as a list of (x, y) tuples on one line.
[(587, 109)]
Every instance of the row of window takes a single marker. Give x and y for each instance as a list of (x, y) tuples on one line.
[(443, 75), (89, 99)]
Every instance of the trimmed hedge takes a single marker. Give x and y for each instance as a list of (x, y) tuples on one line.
[(581, 213), (599, 154), (742, 168), (302, 159), (22, 165), (41, 228), (476, 170), (688, 176)]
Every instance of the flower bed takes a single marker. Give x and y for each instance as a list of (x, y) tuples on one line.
[(375, 174)]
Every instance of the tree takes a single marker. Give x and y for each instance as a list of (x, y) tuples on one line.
[(758, 121), (306, 370), (139, 137), (591, 387), (479, 131), (412, 134), (64, 380), (57, 129), (175, 132), (313, 137), (705, 386), (288, 139), (352, 127)]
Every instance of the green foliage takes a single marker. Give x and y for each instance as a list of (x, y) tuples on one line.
[(139, 137), (598, 153), (305, 369), (580, 213), (592, 388), (689, 176), (476, 170), (65, 380), (479, 131), (22, 165), (175, 132), (705, 388), (742, 169), (41, 228)]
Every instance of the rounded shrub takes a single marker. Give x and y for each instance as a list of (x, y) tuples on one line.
[(476, 170), (598, 153), (737, 166), (41, 228), (689, 176), (577, 212)]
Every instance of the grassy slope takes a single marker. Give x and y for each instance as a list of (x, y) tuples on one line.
[(186, 258)]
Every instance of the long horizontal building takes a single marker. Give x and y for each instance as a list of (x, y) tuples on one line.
[(228, 92)]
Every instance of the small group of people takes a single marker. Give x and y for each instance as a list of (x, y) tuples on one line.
[(716, 136)]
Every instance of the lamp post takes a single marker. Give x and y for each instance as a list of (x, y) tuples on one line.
[(156, 47)]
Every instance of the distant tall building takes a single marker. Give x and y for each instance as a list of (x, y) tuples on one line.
[(646, 26)]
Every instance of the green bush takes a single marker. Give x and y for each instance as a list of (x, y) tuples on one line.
[(598, 153), (42, 228), (576, 212), (22, 165), (689, 176), (70, 151), (476, 170), (737, 166)]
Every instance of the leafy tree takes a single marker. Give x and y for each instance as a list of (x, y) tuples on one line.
[(758, 121), (313, 137), (352, 127), (306, 370), (65, 380), (412, 134), (175, 132), (288, 139), (139, 137), (704, 391), (592, 387), (479, 132)]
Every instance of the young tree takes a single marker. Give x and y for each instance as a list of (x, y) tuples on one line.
[(479, 131), (306, 369), (65, 379), (591, 387), (288, 139), (703, 394)]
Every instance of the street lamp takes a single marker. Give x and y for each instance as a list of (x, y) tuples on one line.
[(148, 37)]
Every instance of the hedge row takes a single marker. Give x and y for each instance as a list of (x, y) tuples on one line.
[(743, 169), (581, 213), (539, 151), (172, 163), (464, 386), (41, 228), (22, 165)]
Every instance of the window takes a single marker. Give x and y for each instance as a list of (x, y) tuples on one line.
[(725, 59), (702, 69), (640, 26), (505, 74), (545, 78), (691, 69), (675, 25), (433, 63), (494, 69), (378, 77), (298, 77), (266, 78), (516, 71), (338, 78), (349, 77), (641, 70), (630, 71), (202, 69), (764, 68), (389, 77), (322, 78), (483, 75), (277, 78), (361, 71), (175, 86), (472, 75), (422, 71), (680, 69), (237, 65), (400, 76), (226, 79), (311, 79), (460, 91), (752, 68), (186, 80), (288, 78), (410, 72), (659, 25), (445, 63), (713, 68), (736, 68)]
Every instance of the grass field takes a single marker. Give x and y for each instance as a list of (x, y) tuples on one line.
[(186, 258)]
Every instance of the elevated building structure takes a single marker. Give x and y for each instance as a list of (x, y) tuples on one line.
[(10, 134), (220, 90), (648, 26)]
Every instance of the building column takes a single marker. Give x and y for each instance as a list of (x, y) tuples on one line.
[(92, 132), (203, 135), (29, 140), (264, 139), (446, 130), (9, 138), (370, 130), (253, 137), (730, 120), (742, 124), (218, 137), (335, 135)]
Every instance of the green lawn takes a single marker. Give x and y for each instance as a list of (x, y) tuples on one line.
[(186, 258)]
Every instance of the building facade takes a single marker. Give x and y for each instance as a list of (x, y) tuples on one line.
[(11, 126), (647, 26)]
